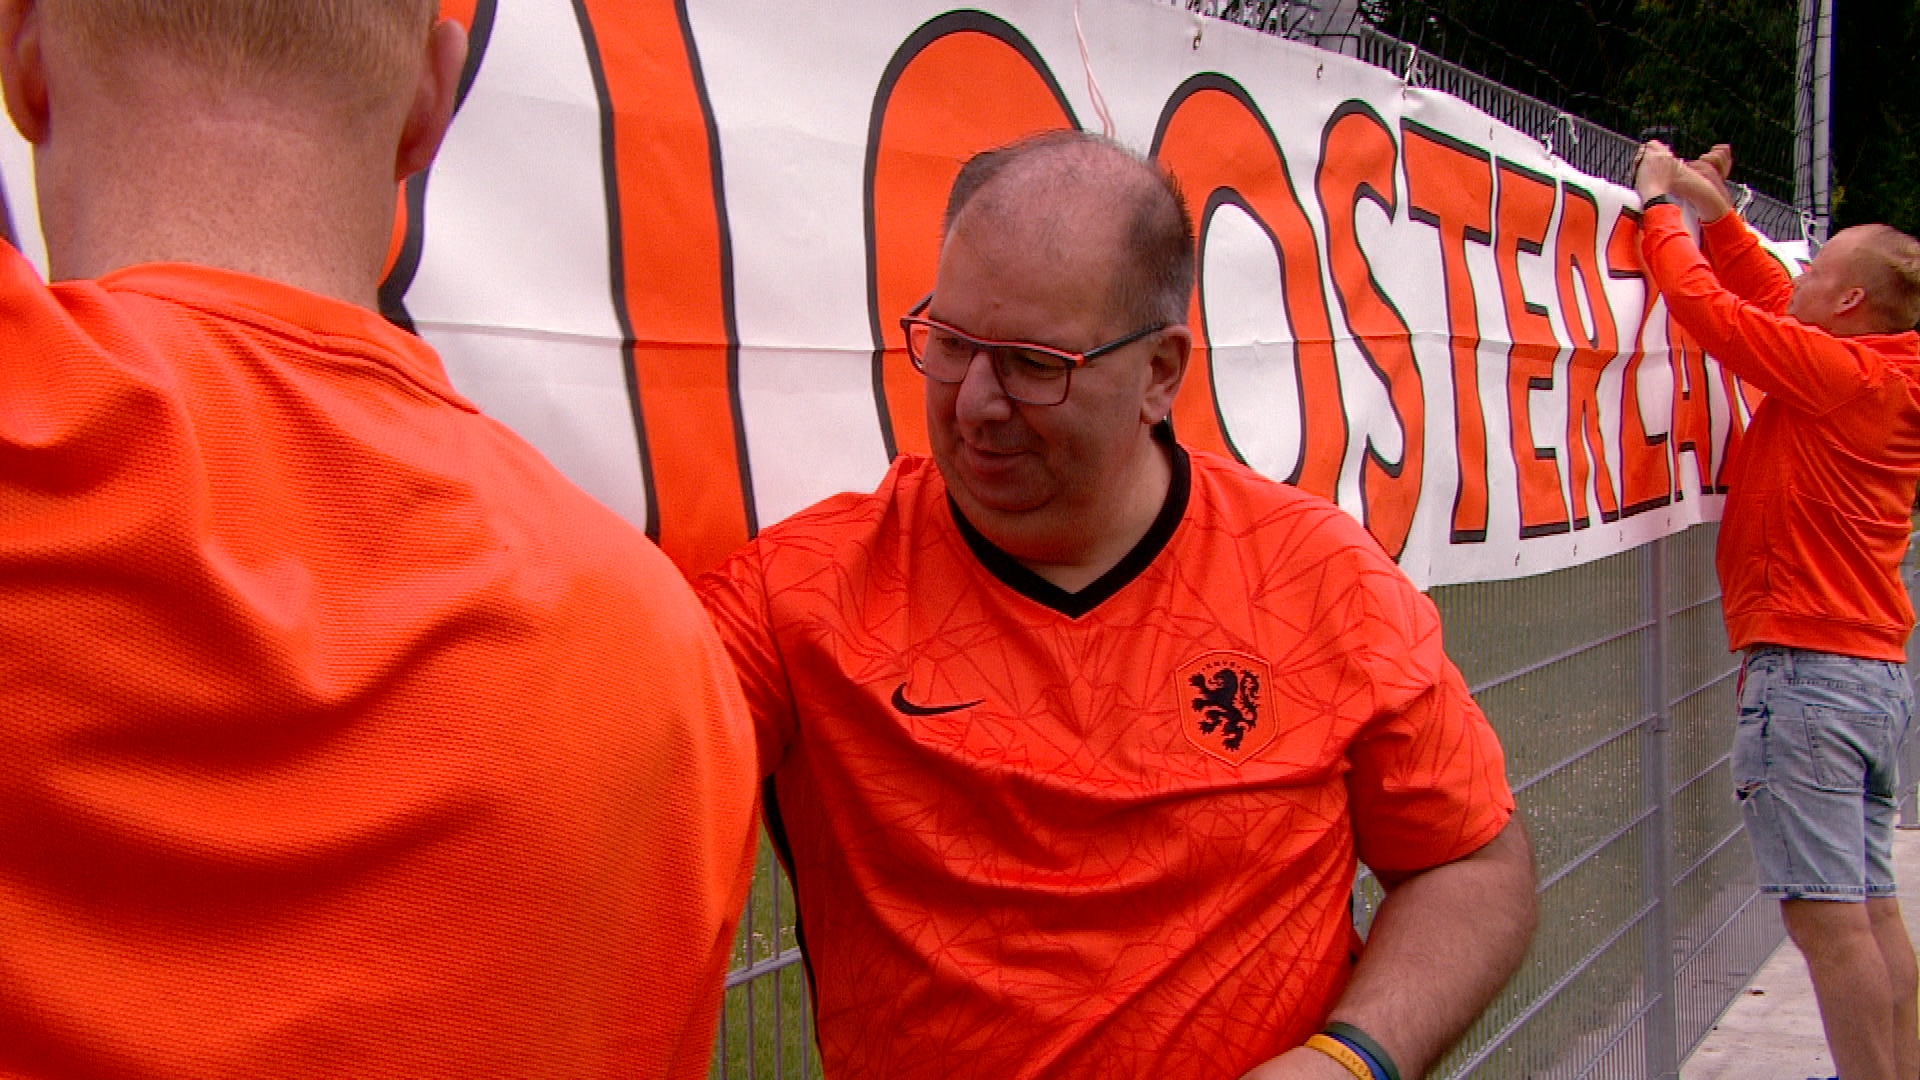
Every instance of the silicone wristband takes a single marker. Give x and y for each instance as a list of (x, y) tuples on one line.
[(1657, 200), (1343, 1054), (1367, 1048)]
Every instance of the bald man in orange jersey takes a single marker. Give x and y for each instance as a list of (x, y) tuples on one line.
[(339, 734)]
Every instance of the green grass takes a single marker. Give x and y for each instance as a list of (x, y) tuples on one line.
[(766, 1023)]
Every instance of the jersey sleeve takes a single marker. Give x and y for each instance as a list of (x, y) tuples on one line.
[(1804, 366), (1428, 779), (735, 595)]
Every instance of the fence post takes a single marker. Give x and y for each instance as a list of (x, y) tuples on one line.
[(1813, 108), (1656, 831)]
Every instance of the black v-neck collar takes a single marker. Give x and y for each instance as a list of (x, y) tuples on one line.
[(1075, 604)]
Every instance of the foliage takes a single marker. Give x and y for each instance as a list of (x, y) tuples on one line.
[(1876, 113)]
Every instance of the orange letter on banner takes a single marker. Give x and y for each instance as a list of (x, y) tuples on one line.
[(1525, 210), (1214, 139), (1450, 187), (963, 83), (1692, 407), (1357, 161), (1646, 478), (671, 258), (1574, 251)]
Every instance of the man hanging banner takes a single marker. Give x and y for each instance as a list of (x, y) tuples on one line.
[(669, 243)]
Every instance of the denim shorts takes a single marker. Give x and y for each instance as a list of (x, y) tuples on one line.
[(1814, 763)]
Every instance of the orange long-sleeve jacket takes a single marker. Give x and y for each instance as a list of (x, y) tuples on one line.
[(1819, 492)]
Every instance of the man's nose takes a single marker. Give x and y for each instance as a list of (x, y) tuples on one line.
[(981, 395)]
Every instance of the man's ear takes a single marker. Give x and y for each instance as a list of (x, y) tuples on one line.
[(1854, 300), (1166, 368), (433, 98), (23, 70)]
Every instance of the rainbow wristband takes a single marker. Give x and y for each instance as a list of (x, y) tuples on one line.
[(1342, 1053), (1380, 1066)]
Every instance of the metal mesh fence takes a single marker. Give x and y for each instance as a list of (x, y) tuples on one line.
[(766, 1019), (1610, 685)]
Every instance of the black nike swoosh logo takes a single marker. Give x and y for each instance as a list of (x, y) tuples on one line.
[(900, 702)]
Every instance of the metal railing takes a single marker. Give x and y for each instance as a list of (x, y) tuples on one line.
[(1611, 687), (766, 1018)]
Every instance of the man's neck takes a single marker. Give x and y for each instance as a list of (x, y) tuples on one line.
[(252, 189), (1128, 521)]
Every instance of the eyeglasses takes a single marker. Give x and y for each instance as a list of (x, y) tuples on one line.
[(1030, 374)]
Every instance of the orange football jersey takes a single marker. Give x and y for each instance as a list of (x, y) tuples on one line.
[(1106, 833), (339, 735)]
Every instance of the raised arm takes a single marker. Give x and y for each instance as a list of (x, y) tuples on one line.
[(1752, 272), (1806, 366)]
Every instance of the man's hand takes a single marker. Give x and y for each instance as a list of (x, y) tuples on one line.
[(1716, 165), (1702, 183), (1655, 169), (1711, 199)]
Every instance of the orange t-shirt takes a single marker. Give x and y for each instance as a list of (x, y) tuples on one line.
[(339, 735), (1821, 488), (1106, 833)]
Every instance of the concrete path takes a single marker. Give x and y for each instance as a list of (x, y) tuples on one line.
[(1772, 1031)]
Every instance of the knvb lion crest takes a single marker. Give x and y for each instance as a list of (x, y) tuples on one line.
[(1220, 700)]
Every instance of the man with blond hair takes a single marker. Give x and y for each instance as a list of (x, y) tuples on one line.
[(339, 735), (1811, 541)]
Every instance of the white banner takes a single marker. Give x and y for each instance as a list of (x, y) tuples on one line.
[(670, 242)]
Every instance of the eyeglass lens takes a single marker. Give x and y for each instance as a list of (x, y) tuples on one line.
[(1028, 375)]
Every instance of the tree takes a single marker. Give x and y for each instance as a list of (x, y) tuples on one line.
[(1876, 113)]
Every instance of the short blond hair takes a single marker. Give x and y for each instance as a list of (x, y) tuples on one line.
[(357, 46), (1889, 269)]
